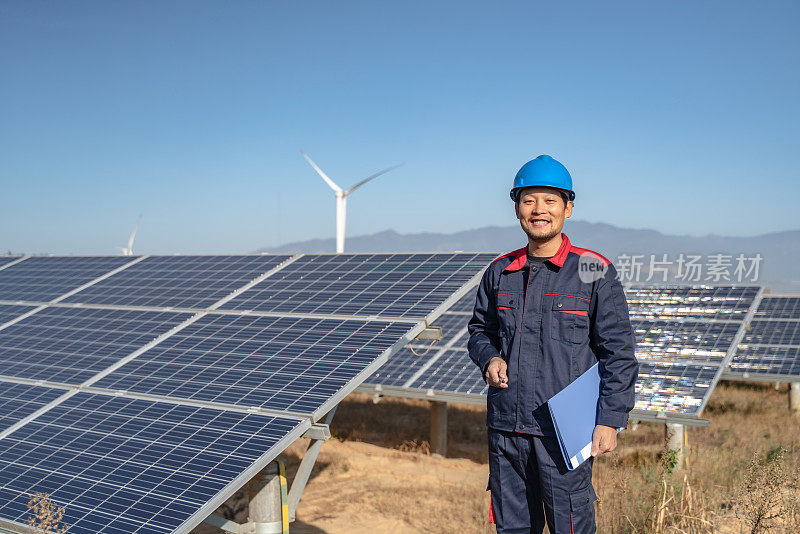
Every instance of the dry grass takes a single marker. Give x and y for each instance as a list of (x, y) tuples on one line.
[(378, 476)]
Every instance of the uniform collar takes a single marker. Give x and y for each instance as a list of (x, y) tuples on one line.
[(520, 256)]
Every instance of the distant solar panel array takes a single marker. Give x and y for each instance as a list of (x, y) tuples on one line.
[(141, 392), (684, 338), (770, 348)]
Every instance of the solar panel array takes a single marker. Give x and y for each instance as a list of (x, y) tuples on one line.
[(770, 348), (684, 337), (141, 392)]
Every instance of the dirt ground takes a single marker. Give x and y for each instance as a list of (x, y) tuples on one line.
[(376, 474)]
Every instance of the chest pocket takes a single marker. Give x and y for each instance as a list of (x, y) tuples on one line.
[(508, 306), (569, 319)]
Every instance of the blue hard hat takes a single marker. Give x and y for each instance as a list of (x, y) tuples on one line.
[(543, 171)]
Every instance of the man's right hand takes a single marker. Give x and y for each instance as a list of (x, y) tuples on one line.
[(496, 372)]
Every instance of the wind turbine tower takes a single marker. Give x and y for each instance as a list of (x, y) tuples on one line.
[(341, 199)]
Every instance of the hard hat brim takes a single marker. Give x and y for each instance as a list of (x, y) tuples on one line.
[(515, 190)]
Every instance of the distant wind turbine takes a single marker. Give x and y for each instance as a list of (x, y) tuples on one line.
[(129, 250), (341, 198)]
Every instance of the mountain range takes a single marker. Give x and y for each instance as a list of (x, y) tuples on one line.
[(633, 251)]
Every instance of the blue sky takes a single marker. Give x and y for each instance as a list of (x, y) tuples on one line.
[(678, 116)]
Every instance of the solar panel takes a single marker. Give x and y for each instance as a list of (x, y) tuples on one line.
[(770, 347), (152, 442), (674, 387), (402, 365), (778, 308), (389, 285), (279, 363), (10, 312), (452, 372), (766, 332), (70, 345), (18, 401), (771, 360), (683, 340), (43, 278), (690, 302), (120, 465), (177, 281)]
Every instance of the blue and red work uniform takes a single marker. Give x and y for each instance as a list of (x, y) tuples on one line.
[(550, 323)]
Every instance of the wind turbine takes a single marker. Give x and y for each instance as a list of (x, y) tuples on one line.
[(129, 250), (341, 198)]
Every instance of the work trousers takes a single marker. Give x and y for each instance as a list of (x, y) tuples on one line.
[(530, 484)]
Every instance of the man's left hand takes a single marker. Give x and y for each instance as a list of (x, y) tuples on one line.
[(604, 439)]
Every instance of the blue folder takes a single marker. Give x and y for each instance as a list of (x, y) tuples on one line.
[(574, 413)]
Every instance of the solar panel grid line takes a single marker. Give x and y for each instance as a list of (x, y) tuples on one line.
[(189, 321), (70, 345), (348, 388), (12, 312), (166, 335), (259, 361), (19, 318), (377, 285), (404, 363), (184, 282), (7, 264), (41, 411), (249, 313), (99, 279), (19, 400), (456, 296), (412, 393), (75, 290), (732, 349), (207, 509)]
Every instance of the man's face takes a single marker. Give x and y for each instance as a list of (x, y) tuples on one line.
[(541, 212)]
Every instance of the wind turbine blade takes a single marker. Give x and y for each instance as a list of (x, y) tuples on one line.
[(365, 180), (324, 176), (133, 234)]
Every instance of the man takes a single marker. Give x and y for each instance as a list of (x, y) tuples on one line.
[(544, 314)]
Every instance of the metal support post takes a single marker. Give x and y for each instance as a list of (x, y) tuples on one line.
[(307, 465), (264, 496), (439, 427), (677, 440), (794, 398)]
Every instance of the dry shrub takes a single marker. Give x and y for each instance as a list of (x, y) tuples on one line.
[(422, 447), (764, 497), (47, 515)]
